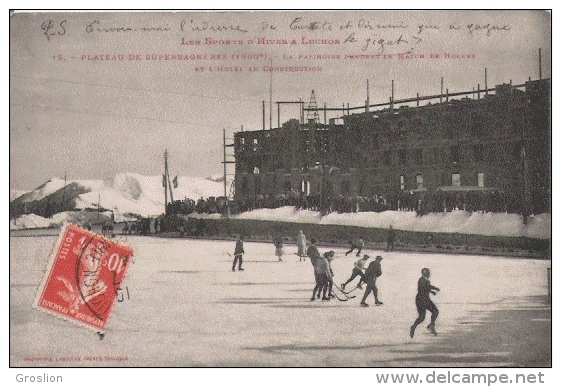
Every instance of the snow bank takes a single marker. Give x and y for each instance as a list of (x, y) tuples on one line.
[(283, 214), (30, 221), (463, 222)]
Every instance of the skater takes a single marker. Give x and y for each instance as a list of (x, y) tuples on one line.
[(329, 257), (357, 272), (238, 253), (391, 239), (359, 244), (314, 255), (301, 240), (278, 247), (323, 277), (424, 303), (373, 271)]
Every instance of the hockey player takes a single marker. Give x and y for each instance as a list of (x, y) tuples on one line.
[(424, 303), (238, 253), (373, 271), (357, 272), (314, 255), (329, 257), (301, 240), (323, 277), (359, 244)]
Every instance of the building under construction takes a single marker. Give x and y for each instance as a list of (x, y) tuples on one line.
[(487, 149)]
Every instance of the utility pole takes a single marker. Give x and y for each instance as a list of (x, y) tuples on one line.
[(271, 97), (224, 159), (165, 182), (225, 162), (63, 193)]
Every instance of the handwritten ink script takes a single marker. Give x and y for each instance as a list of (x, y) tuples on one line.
[(209, 38)]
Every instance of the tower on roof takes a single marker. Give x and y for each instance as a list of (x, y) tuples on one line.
[(313, 114)]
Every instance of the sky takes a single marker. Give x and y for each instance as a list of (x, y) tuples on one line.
[(96, 94)]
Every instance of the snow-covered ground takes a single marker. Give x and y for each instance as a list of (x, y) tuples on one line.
[(31, 221), (187, 308)]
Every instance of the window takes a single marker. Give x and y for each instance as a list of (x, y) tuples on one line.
[(417, 156), (388, 157), (477, 153), (517, 152), (436, 156), (258, 186), (306, 187), (402, 182), (480, 179), (345, 188), (455, 154), (401, 154), (455, 180), (419, 179), (255, 171), (243, 185), (242, 141)]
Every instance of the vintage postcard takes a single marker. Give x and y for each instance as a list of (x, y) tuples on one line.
[(299, 189)]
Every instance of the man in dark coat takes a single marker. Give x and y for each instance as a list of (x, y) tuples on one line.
[(373, 271), (238, 253), (424, 303)]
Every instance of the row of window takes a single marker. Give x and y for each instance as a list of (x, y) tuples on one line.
[(455, 182), (345, 185)]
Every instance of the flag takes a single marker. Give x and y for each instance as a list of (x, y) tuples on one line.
[(175, 183), (164, 181)]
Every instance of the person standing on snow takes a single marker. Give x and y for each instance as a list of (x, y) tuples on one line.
[(278, 247), (238, 253), (391, 239), (301, 241), (357, 272), (373, 271), (424, 303)]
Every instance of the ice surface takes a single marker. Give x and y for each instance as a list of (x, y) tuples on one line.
[(187, 308)]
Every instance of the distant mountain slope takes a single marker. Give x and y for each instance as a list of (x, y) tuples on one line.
[(125, 192), (16, 193)]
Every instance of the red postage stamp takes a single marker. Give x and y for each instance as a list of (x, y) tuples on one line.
[(83, 278)]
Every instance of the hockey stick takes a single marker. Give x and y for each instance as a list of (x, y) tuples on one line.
[(346, 295), (340, 299), (350, 291)]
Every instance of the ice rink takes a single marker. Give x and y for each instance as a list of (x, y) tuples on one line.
[(185, 307)]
